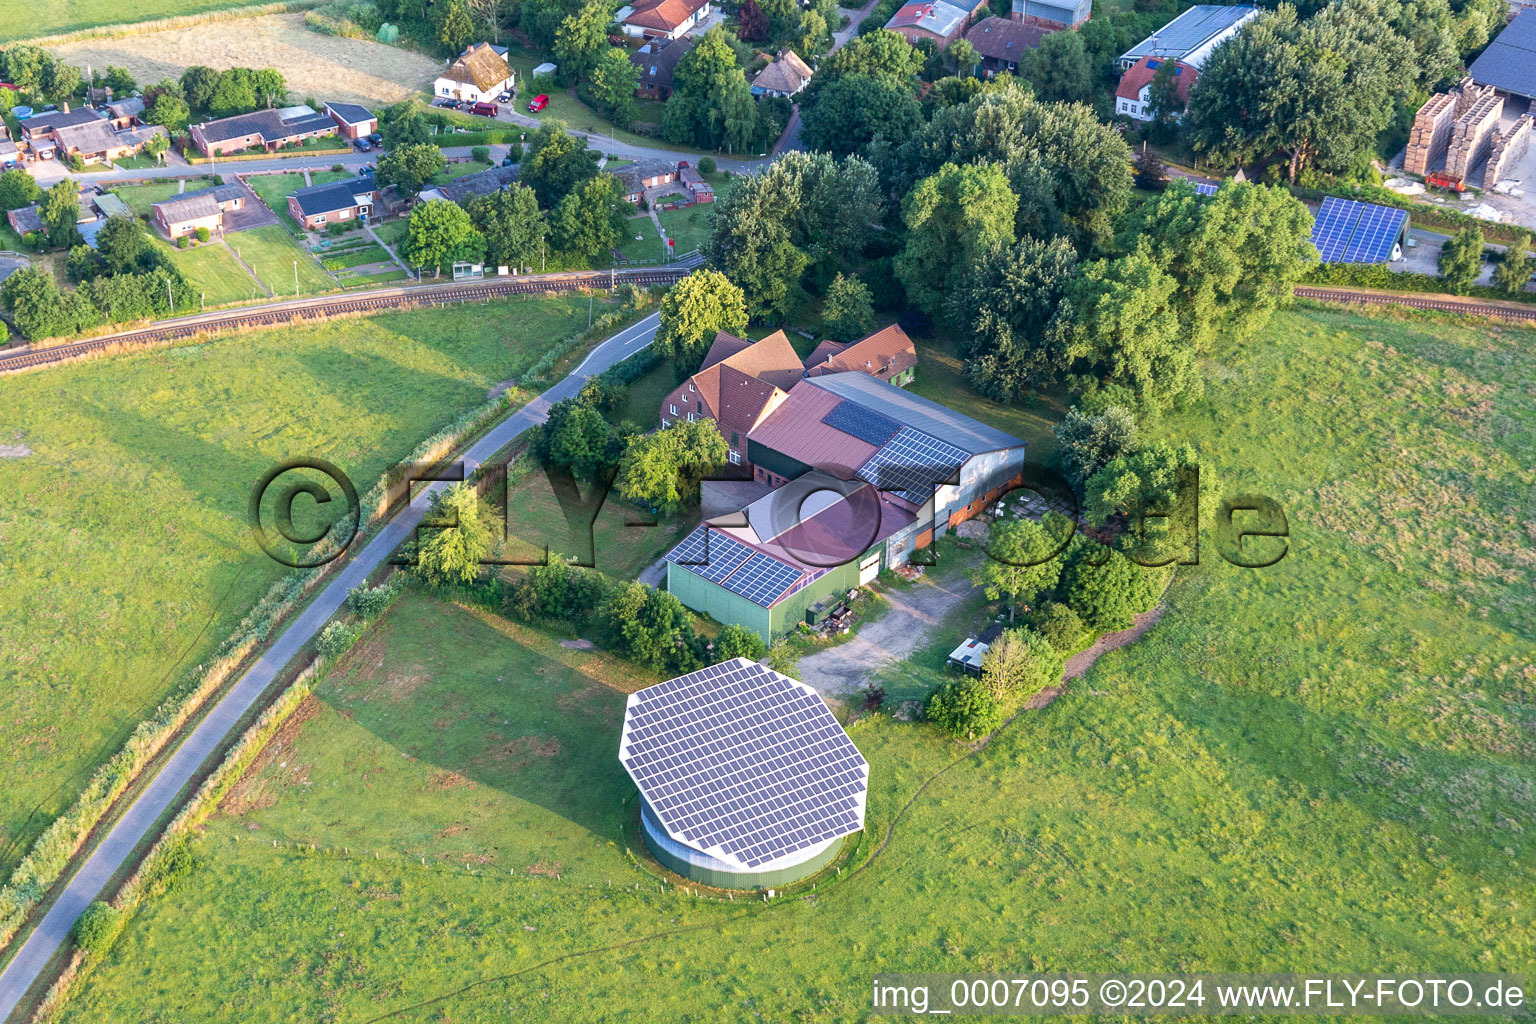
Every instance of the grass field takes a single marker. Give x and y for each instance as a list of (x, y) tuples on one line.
[(453, 171), (271, 252), (692, 225), (647, 246), (213, 270), (1327, 764), (151, 457), (273, 190), (141, 197)]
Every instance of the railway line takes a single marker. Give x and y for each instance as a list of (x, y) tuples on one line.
[(1348, 297), (320, 308)]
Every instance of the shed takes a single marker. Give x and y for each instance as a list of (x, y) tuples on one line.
[(969, 655)]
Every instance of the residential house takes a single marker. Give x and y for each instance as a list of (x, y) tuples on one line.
[(1134, 94), (111, 206), (661, 19), (466, 187), (479, 75), (10, 154), (185, 213), (353, 121), (1190, 38), (657, 61), (1001, 43), (739, 383), (887, 354), (261, 129), (938, 20), (96, 142), (24, 220), (335, 202), (1052, 15), (636, 178), (126, 113), (785, 75), (39, 132)]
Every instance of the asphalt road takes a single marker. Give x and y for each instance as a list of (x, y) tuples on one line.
[(137, 822)]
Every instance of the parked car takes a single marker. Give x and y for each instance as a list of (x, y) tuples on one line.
[(505, 97), (485, 109), (507, 161), (377, 138), (465, 104), (50, 108), (538, 103), (450, 104), (363, 145)]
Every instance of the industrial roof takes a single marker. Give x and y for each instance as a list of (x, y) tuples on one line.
[(351, 113), (744, 764), (1193, 30), (1509, 62), (937, 16), (796, 429), (949, 426), (1349, 232)]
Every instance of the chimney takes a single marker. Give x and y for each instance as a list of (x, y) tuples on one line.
[(64, 107)]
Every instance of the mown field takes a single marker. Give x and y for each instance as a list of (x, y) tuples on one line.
[(1325, 765), (127, 556)]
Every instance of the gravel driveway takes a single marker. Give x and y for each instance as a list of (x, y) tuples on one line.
[(841, 670)]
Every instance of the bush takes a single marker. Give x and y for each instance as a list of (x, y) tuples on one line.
[(368, 602), (335, 639), (98, 928), (738, 642), (202, 234), (1059, 624), (707, 165), (218, 179), (515, 151), (1106, 589), (181, 243), (337, 168), (963, 706), (480, 154)]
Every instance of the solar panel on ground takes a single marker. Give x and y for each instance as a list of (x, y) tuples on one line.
[(864, 424), (911, 463), (743, 763), (762, 580), (1204, 188), (1349, 232)]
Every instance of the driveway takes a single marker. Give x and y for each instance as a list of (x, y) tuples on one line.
[(914, 614)]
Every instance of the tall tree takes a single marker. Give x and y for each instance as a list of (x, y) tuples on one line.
[(711, 104), (457, 28), (582, 38), (952, 217), (1091, 441), (169, 110), (663, 468), (440, 232), (847, 312), (611, 85), (556, 163), (1005, 307), (411, 166), (1022, 558), (589, 221), (1461, 259), (198, 84), (1514, 271), (855, 110), (17, 189), (458, 533), (693, 311), (1058, 68), (510, 222), (121, 242), (59, 210)]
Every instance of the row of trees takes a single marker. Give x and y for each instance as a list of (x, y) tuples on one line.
[(202, 92), (38, 73)]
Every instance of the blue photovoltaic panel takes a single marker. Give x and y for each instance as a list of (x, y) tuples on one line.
[(743, 763), (911, 463), (1349, 232), (762, 580), (1204, 188), (865, 424)]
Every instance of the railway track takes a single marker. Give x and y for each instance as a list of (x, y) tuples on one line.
[(393, 298), (1427, 302)]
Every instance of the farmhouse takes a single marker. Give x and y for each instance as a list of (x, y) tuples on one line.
[(1190, 38), (738, 385), (661, 19), (657, 61), (334, 203), (184, 214), (260, 129), (1133, 97), (1002, 43), (936, 20), (887, 354), (746, 779), (353, 121), (479, 75), (786, 75)]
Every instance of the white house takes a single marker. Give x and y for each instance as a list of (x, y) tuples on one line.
[(662, 19), (479, 75)]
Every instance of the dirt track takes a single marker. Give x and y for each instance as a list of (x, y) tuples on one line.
[(315, 65)]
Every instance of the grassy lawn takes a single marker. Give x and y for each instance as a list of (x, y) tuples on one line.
[(151, 457), (350, 280), (452, 171), (26, 21), (393, 232), (643, 404), (1325, 762), (271, 252), (137, 162), (647, 246), (141, 197), (357, 256), (689, 227), (214, 271), (274, 189)]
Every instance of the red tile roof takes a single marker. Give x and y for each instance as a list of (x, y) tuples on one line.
[(824, 351), (663, 14), (724, 346), (1140, 75), (883, 354)]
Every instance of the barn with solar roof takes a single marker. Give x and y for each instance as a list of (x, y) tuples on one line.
[(746, 780)]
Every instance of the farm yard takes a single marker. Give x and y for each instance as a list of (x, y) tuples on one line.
[(152, 456), (1387, 730), (325, 67)]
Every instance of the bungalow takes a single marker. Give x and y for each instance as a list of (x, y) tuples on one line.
[(39, 132), (1133, 96), (466, 187), (657, 62), (126, 113), (185, 213), (938, 20), (335, 202), (260, 129), (1002, 43), (96, 142), (887, 354), (352, 120), (739, 384), (479, 75), (661, 19), (786, 75), (636, 178)]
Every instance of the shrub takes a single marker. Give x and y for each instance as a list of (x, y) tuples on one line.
[(783, 659), (202, 234), (1106, 589), (738, 642), (368, 602), (965, 707), (337, 168), (5, 333), (335, 639), (1059, 624), (218, 179), (480, 154), (707, 165), (181, 243), (98, 928)]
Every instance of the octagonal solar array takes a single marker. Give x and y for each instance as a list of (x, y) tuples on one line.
[(743, 763)]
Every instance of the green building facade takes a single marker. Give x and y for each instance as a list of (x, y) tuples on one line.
[(722, 605)]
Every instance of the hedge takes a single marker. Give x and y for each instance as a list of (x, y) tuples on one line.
[(1377, 275)]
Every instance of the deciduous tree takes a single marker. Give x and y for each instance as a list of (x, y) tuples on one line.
[(440, 232), (463, 530), (847, 312), (952, 217), (410, 166), (1461, 259), (1005, 307), (510, 222), (556, 163), (1022, 558), (696, 309), (663, 468)]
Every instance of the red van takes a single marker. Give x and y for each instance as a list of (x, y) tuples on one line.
[(539, 103), (484, 109)]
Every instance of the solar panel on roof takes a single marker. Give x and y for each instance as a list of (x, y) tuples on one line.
[(911, 463), (762, 580), (1349, 232), (743, 763), (864, 424)]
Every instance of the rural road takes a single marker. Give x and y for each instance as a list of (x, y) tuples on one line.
[(136, 823)]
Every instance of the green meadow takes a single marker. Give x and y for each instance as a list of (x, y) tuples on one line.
[(127, 558), (1324, 765)]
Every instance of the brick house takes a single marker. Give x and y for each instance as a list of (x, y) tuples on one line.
[(657, 62), (887, 354), (661, 19), (738, 385), (184, 214), (938, 20), (1001, 43), (334, 203), (352, 121), (636, 178), (263, 129)]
